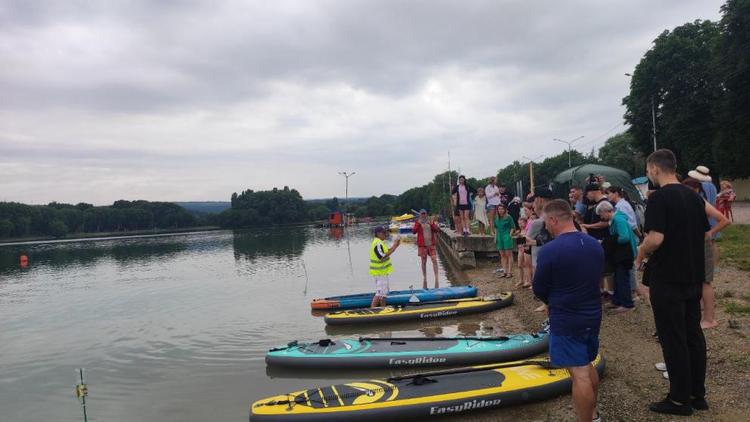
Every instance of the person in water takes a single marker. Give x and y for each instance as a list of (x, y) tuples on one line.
[(380, 265), (426, 231)]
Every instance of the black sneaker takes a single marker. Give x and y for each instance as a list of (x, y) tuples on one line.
[(699, 404), (672, 408)]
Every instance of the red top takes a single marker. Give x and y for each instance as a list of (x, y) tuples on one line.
[(420, 235)]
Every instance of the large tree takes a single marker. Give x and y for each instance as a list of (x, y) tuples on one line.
[(732, 63), (677, 76)]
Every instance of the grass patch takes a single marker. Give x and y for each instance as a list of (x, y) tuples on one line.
[(746, 296), (735, 308), (735, 246)]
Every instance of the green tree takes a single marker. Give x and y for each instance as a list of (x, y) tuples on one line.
[(678, 75), (732, 64), (57, 228), (620, 152), (6, 228)]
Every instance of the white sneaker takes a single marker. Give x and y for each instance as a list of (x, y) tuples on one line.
[(661, 366), (665, 374)]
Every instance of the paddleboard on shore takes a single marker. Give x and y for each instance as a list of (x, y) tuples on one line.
[(420, 311), (398, 297), (405, 352), (429, 394)]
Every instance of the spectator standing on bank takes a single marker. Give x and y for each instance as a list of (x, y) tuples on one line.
[(567, 279), (709, 193), (592, 223), (492, 192), (725, 198), (514, 209), (620, 248), (575, 196), (480, 211), (708, 298), (618, 197), (505, 194), (537, 235), (676, 227), (504, 227), (427, 231), (463, 195)]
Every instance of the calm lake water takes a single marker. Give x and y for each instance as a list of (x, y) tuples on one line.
[(175, 328)]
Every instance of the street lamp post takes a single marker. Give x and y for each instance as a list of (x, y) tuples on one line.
[(347, 176), (570, 146), (653, 115)]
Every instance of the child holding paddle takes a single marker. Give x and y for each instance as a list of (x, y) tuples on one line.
[(380, 265)]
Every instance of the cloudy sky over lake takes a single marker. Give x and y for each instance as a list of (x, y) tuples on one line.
[(193, 100)]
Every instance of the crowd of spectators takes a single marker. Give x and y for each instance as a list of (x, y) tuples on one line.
[(596, 242)]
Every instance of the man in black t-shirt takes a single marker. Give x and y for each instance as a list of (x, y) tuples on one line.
[(592, 223), (676, 224)]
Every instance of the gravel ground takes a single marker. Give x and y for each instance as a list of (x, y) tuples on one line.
[(631, 382)]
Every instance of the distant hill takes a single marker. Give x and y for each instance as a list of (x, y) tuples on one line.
[(205, 207)]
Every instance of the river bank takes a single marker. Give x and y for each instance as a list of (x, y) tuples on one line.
[(631, 382)]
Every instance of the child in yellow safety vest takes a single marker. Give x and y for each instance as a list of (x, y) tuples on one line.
[(380, 265)]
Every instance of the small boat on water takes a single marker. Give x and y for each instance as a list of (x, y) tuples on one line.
[(396, 297), (402, 224)]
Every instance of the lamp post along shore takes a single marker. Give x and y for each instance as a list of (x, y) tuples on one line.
[(346, 194)]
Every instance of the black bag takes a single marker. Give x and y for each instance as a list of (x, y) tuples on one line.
[(616, 254)]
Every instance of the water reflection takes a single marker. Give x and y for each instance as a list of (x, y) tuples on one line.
[(286, 242), (86, 254)]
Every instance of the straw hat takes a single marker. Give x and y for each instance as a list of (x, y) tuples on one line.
[(700, 173)]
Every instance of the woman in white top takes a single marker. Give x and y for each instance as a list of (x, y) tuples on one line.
[(492, 192), (480, 211)]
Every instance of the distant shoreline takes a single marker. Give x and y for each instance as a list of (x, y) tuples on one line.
[(104, 235)]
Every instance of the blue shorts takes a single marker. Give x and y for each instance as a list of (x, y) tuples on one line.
[(569, 351)]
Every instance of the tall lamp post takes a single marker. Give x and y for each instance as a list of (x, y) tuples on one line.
[(531, 171), (346, 198), (570, 146), (653, 115)]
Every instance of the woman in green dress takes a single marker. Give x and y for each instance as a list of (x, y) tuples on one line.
[(504, 226)]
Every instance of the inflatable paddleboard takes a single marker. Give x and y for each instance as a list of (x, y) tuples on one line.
[(398, 297), (421, 311), (448, 392), (406, 352)]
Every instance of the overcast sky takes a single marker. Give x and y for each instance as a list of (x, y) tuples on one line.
[(194, 100)]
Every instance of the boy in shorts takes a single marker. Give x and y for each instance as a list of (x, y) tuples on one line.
[(380, 265)]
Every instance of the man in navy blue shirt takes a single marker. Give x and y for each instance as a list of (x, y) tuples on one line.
[(567, 277)]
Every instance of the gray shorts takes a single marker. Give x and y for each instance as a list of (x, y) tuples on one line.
[(708, 251)]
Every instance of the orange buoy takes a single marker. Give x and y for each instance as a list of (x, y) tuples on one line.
[(24, 261)]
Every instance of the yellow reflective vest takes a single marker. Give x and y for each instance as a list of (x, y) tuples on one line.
[(378, 267)]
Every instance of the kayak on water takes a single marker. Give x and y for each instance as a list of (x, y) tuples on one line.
[(445, 392), (401, 352), (398, 297), (421, 311)]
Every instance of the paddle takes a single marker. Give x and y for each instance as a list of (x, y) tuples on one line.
[(542, 363), (500, 338)]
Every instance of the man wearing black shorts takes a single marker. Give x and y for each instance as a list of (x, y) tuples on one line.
[(676, 224)]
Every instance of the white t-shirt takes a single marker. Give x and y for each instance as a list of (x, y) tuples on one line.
[(493, 194)]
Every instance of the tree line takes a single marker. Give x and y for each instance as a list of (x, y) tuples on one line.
[(58, 219)]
